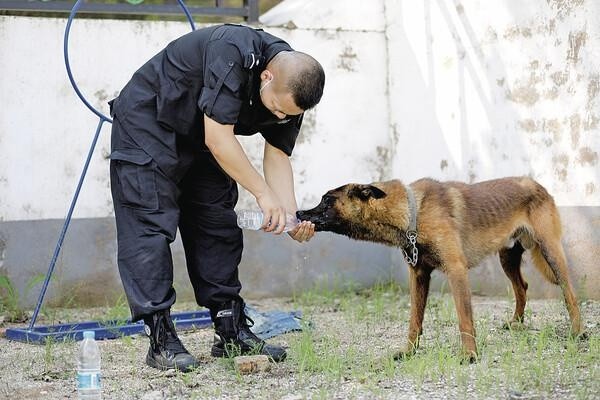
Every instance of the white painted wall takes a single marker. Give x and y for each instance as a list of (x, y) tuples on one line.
[(468, 91), (482, 89)]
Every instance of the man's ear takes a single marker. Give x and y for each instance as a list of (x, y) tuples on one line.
[(266, 75), (366, 192)]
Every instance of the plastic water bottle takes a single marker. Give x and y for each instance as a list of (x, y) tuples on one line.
[(88, 368), (253, 219)]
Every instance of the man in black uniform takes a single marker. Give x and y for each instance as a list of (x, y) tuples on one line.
[(175, 162)]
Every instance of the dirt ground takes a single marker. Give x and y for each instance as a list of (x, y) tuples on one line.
[(359, 329)]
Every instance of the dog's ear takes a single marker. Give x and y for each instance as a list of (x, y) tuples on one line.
[(366, 192)]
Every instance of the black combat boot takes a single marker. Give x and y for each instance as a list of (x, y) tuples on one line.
[(166, 350), (233, 335)]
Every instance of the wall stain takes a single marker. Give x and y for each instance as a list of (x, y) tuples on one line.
[(564, 7), (591, 122), (383, 160), (308, 128), (528, 125), (105, 153), (548, 28), (576, 42), (559, 77), (587, 156), (593, 89), (101, 95), (561, 164), (551, 94), (527, 95), (554, 127), (590, 188), (575, 123), (347, 60), (490, 35), (472, 175), (69, 171)]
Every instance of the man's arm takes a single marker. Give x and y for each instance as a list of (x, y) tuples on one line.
[(228, 152), (280, 177)]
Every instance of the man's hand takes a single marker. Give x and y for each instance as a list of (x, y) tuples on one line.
[(273, 212), (303, 232)]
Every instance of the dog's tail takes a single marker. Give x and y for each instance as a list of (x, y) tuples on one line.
[(542, 265)]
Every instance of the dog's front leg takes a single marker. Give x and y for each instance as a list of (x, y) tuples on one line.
[(419, 279), (459, 285)]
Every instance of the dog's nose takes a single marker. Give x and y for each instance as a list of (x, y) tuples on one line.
[(300, 214)]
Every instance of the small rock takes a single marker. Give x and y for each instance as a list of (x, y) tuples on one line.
[(154, 395), (251, 364), (292, 397)]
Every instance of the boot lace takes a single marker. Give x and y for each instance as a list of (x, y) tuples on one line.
[(168, 338)]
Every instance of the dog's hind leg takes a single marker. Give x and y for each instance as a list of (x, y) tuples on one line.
[(419, 278), (510, 259), (549, 257), (550, 253)]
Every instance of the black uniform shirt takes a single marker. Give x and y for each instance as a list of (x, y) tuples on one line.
[(213, 71)]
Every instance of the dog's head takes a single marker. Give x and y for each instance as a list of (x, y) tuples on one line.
[(355, 210)]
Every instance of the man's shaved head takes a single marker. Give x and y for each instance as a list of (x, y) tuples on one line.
[(303, 76)]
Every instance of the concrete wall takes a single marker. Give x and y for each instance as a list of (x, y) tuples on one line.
[(413, 89)]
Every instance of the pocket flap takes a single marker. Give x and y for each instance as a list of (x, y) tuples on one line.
[(134, 156)]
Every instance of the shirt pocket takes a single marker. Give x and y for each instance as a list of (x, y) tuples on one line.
[(137, 177), (220, 98)]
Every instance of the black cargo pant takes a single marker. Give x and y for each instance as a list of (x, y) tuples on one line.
[(150, 204)]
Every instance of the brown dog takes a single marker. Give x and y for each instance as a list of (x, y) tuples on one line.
[(457, 225)]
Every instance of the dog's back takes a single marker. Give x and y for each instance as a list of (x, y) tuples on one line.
[(488, 215)]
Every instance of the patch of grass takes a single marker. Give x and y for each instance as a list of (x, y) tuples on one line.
[(540, 361), (314, 354), (117, 315), (10, 300)]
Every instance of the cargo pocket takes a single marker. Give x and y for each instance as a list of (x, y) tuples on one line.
[(137, 179)]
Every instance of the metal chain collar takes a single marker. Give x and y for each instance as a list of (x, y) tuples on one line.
[(411, 232), (412, 240)]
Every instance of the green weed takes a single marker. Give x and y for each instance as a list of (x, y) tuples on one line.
[(10, 300)]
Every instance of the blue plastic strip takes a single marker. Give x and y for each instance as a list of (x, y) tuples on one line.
[(103, 329), (266, 325)]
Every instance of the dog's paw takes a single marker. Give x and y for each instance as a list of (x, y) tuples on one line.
[(382, 363), (582, 336), (514, 325), (402, 355), (469, 357)]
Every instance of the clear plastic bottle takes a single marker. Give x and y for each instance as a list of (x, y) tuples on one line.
[(88, 368), (253, 219)]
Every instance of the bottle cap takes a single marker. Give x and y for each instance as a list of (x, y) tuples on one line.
[(89, 334)]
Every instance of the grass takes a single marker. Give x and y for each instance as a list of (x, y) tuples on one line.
[(344, 351), (540, 361), (10, 301)]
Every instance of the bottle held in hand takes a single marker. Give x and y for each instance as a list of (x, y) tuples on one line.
[(253, 219)]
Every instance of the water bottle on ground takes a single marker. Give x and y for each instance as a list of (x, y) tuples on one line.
[(253, 219), (88, 368)]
